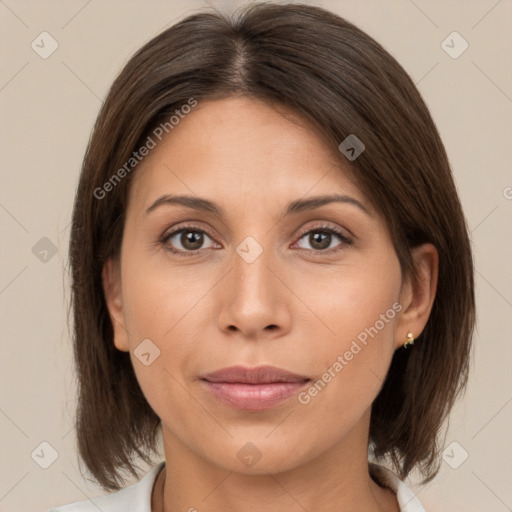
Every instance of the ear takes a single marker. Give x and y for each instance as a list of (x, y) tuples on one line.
[(418, 295), (111, 277)]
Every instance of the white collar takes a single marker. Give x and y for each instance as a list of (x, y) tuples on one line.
[(407, 499)]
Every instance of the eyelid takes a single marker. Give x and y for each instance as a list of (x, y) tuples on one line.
[(327, 226), (187, 225)]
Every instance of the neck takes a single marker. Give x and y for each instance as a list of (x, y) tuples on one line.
[(337, 479)]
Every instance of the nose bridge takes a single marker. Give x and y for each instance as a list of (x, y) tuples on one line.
[(254, 252), (251, 273), (253, 298)]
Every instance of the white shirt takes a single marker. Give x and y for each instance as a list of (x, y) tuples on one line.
[(137, 497)]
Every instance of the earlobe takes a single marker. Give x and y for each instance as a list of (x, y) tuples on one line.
[(111, 279), (418, 294)]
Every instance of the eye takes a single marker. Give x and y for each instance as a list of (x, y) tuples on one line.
[(321, 239), (186, 239)]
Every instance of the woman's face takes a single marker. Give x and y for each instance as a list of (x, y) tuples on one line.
[(261, 278)]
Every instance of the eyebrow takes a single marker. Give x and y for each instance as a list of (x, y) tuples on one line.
[(297, 206)]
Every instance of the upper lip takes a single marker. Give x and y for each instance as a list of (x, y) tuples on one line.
[(258, 375)]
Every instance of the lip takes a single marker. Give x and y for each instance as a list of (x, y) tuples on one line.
[(258, 375), (253, 389)]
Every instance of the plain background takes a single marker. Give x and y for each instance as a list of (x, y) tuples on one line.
[(48, 107)]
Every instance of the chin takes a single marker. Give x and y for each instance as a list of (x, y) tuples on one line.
[(259, 457)]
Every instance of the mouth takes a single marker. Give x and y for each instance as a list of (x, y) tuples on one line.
[(253, 389)]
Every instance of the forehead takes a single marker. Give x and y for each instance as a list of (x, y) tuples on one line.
[(241, 148)]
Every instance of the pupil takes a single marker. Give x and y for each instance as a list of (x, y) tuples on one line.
[(318, 239), (191, 239)]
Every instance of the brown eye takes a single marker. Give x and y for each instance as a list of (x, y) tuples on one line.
[(321, 240), (187, 240), (191, 240)]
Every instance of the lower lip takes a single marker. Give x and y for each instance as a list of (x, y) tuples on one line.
[(254, 397)]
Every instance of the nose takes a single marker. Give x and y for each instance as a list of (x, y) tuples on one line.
[(254, 299)]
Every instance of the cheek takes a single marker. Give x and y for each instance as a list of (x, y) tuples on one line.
[(353, 300), (360, 310), (158, 305), (159, 299)]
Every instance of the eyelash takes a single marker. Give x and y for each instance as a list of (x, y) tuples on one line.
[(322, 228)]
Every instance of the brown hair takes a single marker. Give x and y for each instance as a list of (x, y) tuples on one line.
[(342, 82)]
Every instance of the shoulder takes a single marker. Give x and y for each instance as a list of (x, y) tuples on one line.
[(136, 497), (406, 498)]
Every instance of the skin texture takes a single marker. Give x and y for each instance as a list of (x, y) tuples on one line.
[(214, 309)]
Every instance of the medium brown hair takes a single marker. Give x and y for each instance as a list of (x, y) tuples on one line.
[(342, 82)]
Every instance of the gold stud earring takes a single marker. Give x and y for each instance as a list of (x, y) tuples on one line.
[(410, 340)]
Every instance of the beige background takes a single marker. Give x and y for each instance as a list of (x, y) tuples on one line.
[(48, 107)]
